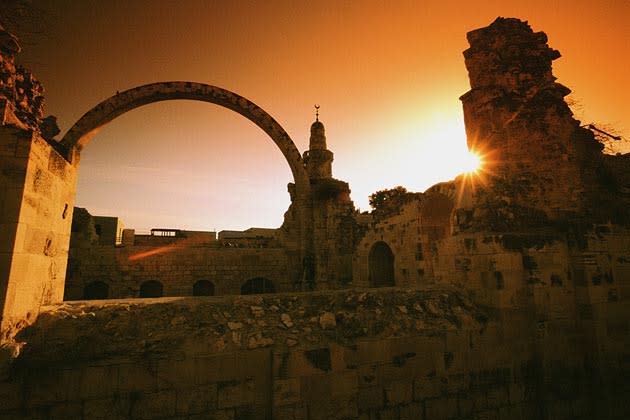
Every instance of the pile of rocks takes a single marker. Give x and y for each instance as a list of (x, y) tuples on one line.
[(139, 327)]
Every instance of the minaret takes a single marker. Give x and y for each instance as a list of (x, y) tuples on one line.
[(318, 159)]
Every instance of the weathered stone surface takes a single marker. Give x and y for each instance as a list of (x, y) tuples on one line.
[(542, 166)]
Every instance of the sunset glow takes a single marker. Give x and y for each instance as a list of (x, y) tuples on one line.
[(471, 163), (388, 77)]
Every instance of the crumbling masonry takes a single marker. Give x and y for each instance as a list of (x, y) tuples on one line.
[(498, 296)]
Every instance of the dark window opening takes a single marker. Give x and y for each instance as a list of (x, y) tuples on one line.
[(151, 289), (203, 288), (419, 255), (498, 276), (96, 290), (381, 265), (256, 286), (556, 280), (529, 263)]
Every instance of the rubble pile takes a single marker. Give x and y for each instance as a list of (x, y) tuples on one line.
[(137, 327)]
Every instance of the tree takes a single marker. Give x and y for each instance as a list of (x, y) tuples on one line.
[(384, 198), (388, 201)]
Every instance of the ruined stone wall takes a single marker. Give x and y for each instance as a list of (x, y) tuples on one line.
[(177, 266), (395, 354), (334, 230), (411, 234), (541, 164), (37, 193)]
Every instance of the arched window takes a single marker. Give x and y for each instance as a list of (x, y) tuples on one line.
[(498, 276), (151, 289), (203, 288), (381, 265), (257, 286), (96, 290)]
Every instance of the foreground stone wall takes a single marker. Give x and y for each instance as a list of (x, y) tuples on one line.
[(37, 193), (386, 354)]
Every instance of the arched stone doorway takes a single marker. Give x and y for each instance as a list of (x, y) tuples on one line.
[(203, 288), (96, 290), (381, 265), (256, 286), (151, 289)]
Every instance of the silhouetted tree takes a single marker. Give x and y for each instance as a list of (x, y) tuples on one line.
[(388, 201)]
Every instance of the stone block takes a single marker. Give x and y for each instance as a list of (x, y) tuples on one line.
[(343, 408), (497, 397), (465, 405), (286, 391), (10, 396), (235, 393), (161, 404), (413, 411), (427, 387), (369, 352), (224, 415), (136, 377), (514, 412), (516, 393), (344, 384), (116, 408), (391, 413), (370, 398), (456, 383), (176, 373), (350, 357), (488, 415), (196, 400), (99, 381), (315, 388), (398, 392), (65, 411), (441, 408)]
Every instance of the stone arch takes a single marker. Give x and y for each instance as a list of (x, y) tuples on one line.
[(203, 288), (151, 289), (257, 285), (381, 265), (81, 132), (96, 290)]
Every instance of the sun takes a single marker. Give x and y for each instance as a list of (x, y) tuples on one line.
[(471, 163)]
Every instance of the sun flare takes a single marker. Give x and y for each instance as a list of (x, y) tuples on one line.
[(471, 163)]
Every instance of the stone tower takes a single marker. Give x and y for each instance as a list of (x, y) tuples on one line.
[(318, 159), (541, 164)]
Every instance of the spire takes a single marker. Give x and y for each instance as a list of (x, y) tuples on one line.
[(318, 134)]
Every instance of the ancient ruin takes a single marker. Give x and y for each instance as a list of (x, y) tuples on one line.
[(500, 295)]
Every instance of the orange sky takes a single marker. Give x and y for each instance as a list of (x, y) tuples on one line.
[(387, 75)]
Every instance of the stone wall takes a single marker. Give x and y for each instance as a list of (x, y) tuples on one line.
[(540, 163), (176, 263), (37, 194), (411, 234), (386, 354)]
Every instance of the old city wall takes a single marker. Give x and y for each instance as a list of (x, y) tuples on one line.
[(37, 194), (177, 266), (411, 234), (389, 353)]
